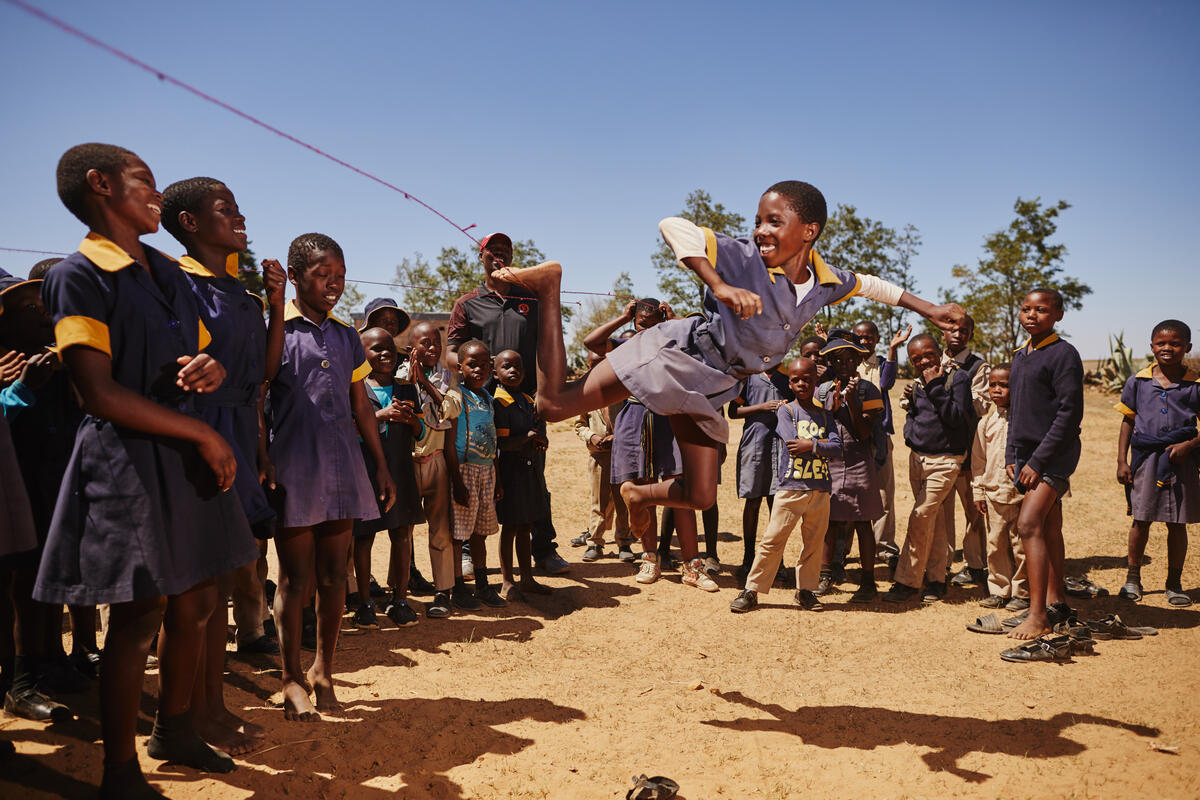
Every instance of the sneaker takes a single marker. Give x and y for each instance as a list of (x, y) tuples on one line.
[(626, 554), (824, 585), (934, 592), (745, 601), (419, 585), (808, 600), (694, 575), (464, 598), (593, 553), (649, 571), (487, 594), (375, 589), (712, 566), (866, 593), (468, 566), (899, 593), (554, 564), (1017, 604), (364, 617), (582, 539), (401, 614), (440, 607)]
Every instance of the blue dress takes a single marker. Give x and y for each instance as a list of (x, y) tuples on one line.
[(855, 496), (138, 515), (758, 451), (1154, 410), (643, 446)]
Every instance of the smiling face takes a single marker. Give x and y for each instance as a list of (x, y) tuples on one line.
[(802, 378), (998, 387), (381, 351), (1169, 347), (219, 222), (475, 365), (132, 194), (498, 254), (924, 353), (426, 341), (510, 369), (320, 286), (1039, 313), (779, 233)]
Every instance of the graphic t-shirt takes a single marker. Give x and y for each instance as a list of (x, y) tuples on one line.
[(476, 442), (810, 471)]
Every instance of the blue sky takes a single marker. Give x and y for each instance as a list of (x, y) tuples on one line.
[(580, 126)]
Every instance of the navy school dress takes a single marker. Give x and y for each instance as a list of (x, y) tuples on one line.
[(44, 438), (234, 318), (758, 451), (643, 446), (855, 495), (520, 467), (138, 515), (396, 439)]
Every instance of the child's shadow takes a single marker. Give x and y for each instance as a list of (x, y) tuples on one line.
[(951, 738)]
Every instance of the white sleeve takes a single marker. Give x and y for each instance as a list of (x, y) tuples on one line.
[(683, 237), (878, 289)]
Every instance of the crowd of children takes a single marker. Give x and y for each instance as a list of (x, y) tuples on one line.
[(168, 423)]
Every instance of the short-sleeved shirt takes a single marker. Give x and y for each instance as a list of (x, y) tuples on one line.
[(808, 472), (501, 322), (1156, 409), (314, 442), (476, 433)]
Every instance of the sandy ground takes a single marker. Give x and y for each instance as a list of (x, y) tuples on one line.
[(571, 695)]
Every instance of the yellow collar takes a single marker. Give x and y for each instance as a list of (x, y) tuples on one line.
[(824, 274), (1051, 339), (1189, 375), (104, 253), (194, 267), (292, 311), (505, 397)]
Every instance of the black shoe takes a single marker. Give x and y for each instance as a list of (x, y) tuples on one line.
[(808, 600), (32, 704), (963, 578), (464, 598), (440, 607), (867, 593), (365, 618), (824, 585), (375, 589), (59, 676), (993, 601), (1017, 604), (744, 602), (1059, 612), (625, 554), (488, 595), (593, 553), (401, 614), (86, 661), (418, 585), (353, 601), (262, 646), (934, 591), (269, 592), (900, 593), (582, 539)]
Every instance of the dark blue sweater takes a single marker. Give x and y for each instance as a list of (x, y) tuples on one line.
[(1046, 407), (940, 416)]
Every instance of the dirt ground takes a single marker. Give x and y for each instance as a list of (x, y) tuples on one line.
[(572, 694)]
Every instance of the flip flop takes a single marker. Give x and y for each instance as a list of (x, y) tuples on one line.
[(655, 788), (989, 624), (1178, 599), (1044, 648), (1130, 591)]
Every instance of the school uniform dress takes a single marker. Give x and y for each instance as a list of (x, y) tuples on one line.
[(17, 534), (802, 498), (319, 467), (855, 496), (1045, 388), (643, 447), (396, 439), (234, 318), (693, 366), (44, 438), (524, 499), (876, 370), (138, 515), (476, 447), (1156, 410), (758, 451)]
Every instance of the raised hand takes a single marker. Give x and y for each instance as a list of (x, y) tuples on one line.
[(274, 281)]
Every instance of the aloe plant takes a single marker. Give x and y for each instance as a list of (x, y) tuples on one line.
[(1119, 367)]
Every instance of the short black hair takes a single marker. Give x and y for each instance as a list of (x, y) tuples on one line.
[(1053, 294), (1006, 366), (805, 199), (923, 337), (867, 322), (305, 248), (40, 269), (185, 195), (817, 340), (73, 168), (1173, 325), (472, 345)]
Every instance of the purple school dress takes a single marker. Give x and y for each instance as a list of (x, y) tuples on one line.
[(1156, 409), (319, 467)]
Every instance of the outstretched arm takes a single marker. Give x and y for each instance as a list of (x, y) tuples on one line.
[(597, 340)]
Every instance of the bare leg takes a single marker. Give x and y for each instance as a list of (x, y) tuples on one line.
[(695, 489), (296, 550), (1032, 527), (212, 720), (180, 645), (524, 545), (331, 540), (508, 534), (362, 566), (1139, 535), (1176, 546), (866, 552), (1056, 549), (401, 557)]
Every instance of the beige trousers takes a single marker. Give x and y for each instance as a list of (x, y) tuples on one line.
[(885, 526), (811, 511), (1005, 552), (608, 509), (974, 541), (924, 553), (433, 484)]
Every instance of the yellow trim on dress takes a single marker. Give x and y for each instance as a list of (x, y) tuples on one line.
[(1126, 410), (857, 288), (291, 311), (194, 267), (104, 253), (825, 275), (872, 405), (92, 333), (205, 336), (710, 246), (364, 369), (232, 263)]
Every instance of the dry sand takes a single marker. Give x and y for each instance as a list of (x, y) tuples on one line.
[(572, 694)]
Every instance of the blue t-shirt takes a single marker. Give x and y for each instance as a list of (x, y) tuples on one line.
[(810, 471), (384, 394), (476, 440)]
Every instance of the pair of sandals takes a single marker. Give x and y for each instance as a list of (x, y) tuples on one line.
[(655, 788), (1133, 591)]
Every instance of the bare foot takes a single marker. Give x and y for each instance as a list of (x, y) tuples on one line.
[(223, 716), (542, 279), (323, 690), (511, 593), (296, 705), (1030, 628), (534, 587), (639, 513), (227, 740)]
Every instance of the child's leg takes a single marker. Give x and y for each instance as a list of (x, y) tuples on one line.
[(83, 629), (331, 540), (508, 534), (813, 524), (400, 559), (666, 530), (362, 566), (696, 488), (788, 511), (1139, 535), (866, 554), (1032, 525), (1176, 556), (1056, 550), (750, 529), (524, 544), (1000, 556), (212, 720), (711, 517), (296, 549), (478, 545), (685, 529), (131, 626)]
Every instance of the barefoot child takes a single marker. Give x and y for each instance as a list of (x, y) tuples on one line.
[(318, 399), (809, 436), (202, 214), (768, 290), (145, 511), (1161, 404), (1046, 408), (521, 438)]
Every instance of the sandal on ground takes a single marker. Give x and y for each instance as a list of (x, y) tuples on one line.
[(1112, 627), (989, 624), (1131, 591), (1079, 636), (1012, 622), (1044, 648), (655, 788), (1178, 599), (1081, 645), (1082, 587)]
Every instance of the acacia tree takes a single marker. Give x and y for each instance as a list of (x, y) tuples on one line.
[(679, 286), (1016, 259)]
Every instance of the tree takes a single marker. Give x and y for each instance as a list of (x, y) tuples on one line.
[(679, 286), (863, 245), (596, 311), (1016, 259), (435, 287), (248, 272)]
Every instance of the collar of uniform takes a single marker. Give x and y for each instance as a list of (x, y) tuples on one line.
[(824, 274), (292, 311), (1189, 375), (194, 267), (104, 253), (1051, 339), (504, 396), (963, 355)]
